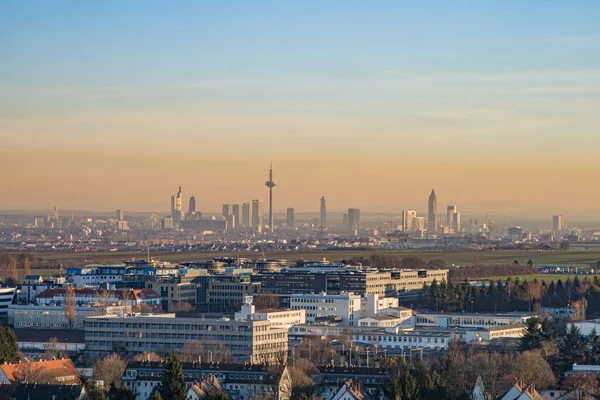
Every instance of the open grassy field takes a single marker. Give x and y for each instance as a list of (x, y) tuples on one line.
[(579, 257), (541, 277)]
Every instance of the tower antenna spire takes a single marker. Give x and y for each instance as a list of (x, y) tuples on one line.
[(271, 184)]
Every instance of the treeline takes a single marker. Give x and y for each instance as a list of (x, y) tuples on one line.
[(456, 376), (17, 265), (487, 271), (515, 295)]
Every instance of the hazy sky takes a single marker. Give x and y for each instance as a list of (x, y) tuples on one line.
[(113, 104)]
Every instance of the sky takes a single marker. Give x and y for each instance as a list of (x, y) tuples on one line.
[(113, 104)]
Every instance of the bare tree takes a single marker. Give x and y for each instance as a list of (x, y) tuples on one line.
[(32, 373), (12, 268), (69, 306), (110, 370), (192, 351), (148, 356), (182, 306), (105, 298), (52, 351), (533, 369), (584, 383)]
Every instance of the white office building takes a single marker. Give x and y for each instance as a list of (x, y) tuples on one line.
[(343, 309)]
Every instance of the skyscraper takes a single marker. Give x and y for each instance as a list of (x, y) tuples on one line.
[(271, 184), (120, 215), (192, 205), (55, 214), (235, 211), (432, 223), (558, 223), (456, 222), (290, 218), (404, 221), (173, 207), (247, 215), (226, 210), (450, 216), (353, 219), (257, 212), (176, 207), (411, 215), (323, 214)]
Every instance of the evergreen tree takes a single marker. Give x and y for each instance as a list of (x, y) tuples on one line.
[(123, 393), (572, 350), (173, 385), (548, 332), (593, 351), (533, 337), (9, 351), (155, 394)]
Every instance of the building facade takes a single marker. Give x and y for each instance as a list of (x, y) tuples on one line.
[(250, 341)]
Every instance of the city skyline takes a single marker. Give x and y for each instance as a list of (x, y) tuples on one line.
[(452, 100)]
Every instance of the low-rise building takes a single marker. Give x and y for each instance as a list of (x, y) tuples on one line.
[(33, 285), (61, 371), (470, 320), (241, 381), (39, 340), (278, 318), (101, 298), (33, 316), (586, 327)]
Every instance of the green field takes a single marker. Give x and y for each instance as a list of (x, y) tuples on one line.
[(579, 257), (541, 277)]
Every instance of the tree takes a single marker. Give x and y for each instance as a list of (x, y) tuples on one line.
[(110, 370), (585, 383), (123, 393), (52, 351), (571, 350), (32, 373), (300, 385), (193, 351), (10, 282), (533, 337), (412, 262), (12, 269), (93, 392), (437, 263), (173, 385), (593, 350), (155, 394), (69, 306), (182, 306), (401, 385), (533, 369), (9, 351), (215, 395), (148, 356)]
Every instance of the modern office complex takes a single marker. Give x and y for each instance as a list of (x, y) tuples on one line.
[(249, 340)]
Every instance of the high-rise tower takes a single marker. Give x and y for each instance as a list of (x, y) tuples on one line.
[(432, 223), (323, 214), (450, 215), (271, 184), (192, 205)]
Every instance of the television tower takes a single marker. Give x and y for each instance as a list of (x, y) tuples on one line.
[(271, 184)]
